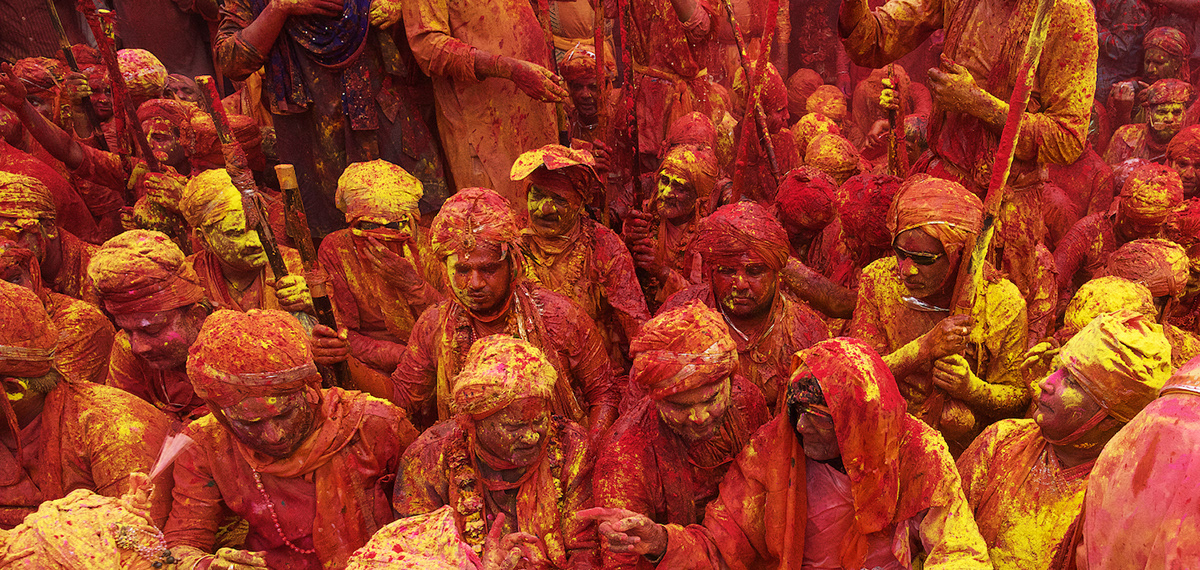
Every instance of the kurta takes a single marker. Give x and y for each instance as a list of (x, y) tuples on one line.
[(1088, 181), (87, 437), (767, 359), (1083, 253), (440, 469), (442, 336), (168, 390), (647, 468), (1134, 141), (335, 502), (484, 124), (996, 346), (259, 295), (1022, 499), (85, 337)]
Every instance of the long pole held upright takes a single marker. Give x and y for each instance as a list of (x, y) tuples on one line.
[(65, 44), (760, 116)]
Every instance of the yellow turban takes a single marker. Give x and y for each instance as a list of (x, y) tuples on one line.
[(377, 188), (1105, 295), (25, 197), (142, 271), (499, 371), (1119, 359), (144, 75), (209, 197)]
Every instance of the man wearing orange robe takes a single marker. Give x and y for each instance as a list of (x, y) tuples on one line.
[(1025, 478), (668, 454), (156, 300), (958, 373), (380, 274), (567, 252), (476, 239), (744, 251), (506, 455), (307, 468), (844, 479), (85, 334), (60, 435), (28, 218)]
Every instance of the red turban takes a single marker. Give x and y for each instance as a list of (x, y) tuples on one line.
[(27, 335), (682, 349), (829, 101), (800, 86), (740, 228), (693, 130), (1168, 91), (253, 354), (474, 217), (941, 208), (1184, 226), (1151, 193), (500, 370), (806, 198), (1119, 359), (142, 271), (40, 73), (1160, 265), (179, 115), (863, 207), (1170, 40), (1185, 144), (809, 127)]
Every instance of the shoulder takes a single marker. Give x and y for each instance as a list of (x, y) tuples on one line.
[(372, 409), (881, 269), (1002, 302), (699, 292), (112, 406), (1130, 134), (607, 241), (632, 434), (75, 313), (433, 441), (334, 243)]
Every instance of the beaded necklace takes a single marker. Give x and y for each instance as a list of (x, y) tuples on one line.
[(275, 518)]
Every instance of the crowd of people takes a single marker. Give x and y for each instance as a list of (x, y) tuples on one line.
[(628, 284)]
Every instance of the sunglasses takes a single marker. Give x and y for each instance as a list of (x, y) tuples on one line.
[(917, 257), (374, 226), (817, 414)]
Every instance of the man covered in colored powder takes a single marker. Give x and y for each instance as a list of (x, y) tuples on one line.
[(156, 300), (958, 373), (668, 454), (488, 61), (844, 479), (744, 251), (307, 468), (28, 218), (753, 177), (1165, 55), (1163, 268), (85, 334), (1147, 199), (59, 435), (476, 239), (569, 253), (1025, 478), (1183, 154), (858, 235), (380, 274), (340, 86), (1164, 102), (232, 266), (981, 65), (506, 453)]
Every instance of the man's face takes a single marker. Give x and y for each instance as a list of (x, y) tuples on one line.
[(817, 435), (1062, 407), (517, 433), (234, 244), (1158, 64), (921, 263), (481, 279), (162, 338), (181, 87), (1166, 120), (43, 102), (272, 425), (552, 213), (585, 95), (28, 233), (777, 119), (164, 141), (676, 198), (745, 287), (1188, 168), (102, 98), (696, 414)]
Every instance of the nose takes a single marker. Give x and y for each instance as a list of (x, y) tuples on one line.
[(273, 433), (1049, 384), (139, 344), (546, 207), (907, 267), (699, 415), (475, 281), (530, 437)]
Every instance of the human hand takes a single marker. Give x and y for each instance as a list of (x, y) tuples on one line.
[(329, 346), (602, 152), (954, 375), (843, 83), (293, 295), (328, 8), (233, 559), (1038, 359), (628, 532), (947, 337), (75, 87), (495, 555), (166, 187), (384, 13), (636, 226), (954, 88), (12, 90), (1126, 91), (889, 98), (537, 81), (398, 271)]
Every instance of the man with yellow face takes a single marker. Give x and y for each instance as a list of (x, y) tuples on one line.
[(1164, 107), (232, 265)]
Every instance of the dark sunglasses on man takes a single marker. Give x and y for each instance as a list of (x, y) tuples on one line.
[(917, 257)]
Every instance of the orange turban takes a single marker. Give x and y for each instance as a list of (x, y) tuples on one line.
[(1185, 144), (40, 73), (863, 207), (800, 86), (1184, 225), (178, 114), (474, 217), (829, 101), (500, 370), (1105, 295), (941, 208), (1151, 193), (682, 349), (144, 75), (27, 335), (805, 198), (1119, 359), (25, 198), (580, 64), (255, 354), (740, 228), (833, 155), (698, 166), (142, 271), (377, 189), (694, 130), (209, 197), (575, 168), (1168, 91), (1159, 264)]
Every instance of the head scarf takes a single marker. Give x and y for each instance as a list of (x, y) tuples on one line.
[(500, 370), (25, 197), (1174, 42), (40, 74), (27, 335), (805, 198), (800, 86), (682, 349), (377, 189), (144, 75), (1168, 91), (209, 197), (177, 114), (1121, 360), (941, 208), (774, 93), (833, 155), (142, 271), (696, 166), (1159, 264), (471, 218), (580, 63), (809, 127), (829, 101), (864, 201), (1150, 193), (430, 541), (740, 228), (1105, 295), (255, 354), (576, 167), (694, 130), (1185, 144)]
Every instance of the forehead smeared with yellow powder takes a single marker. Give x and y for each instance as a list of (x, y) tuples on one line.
[(209, 197)]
